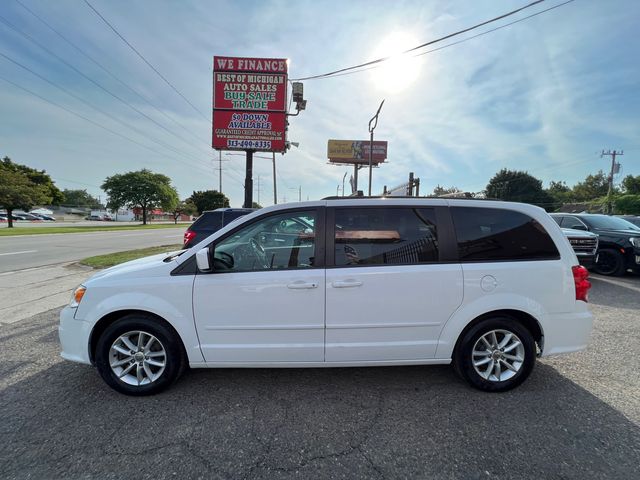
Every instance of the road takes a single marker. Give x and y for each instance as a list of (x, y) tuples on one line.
[(577, 417), (28, 251)]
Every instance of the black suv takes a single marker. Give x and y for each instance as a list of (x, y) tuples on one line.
[(211, 221), (619, 248)]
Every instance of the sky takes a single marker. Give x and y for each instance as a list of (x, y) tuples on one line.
[(545, 95)]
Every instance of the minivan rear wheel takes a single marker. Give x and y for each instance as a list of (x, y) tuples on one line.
[(496, 354), (139, 355)]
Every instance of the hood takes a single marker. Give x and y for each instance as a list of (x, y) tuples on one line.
[(140, 267), (570, 232), (625, 232)]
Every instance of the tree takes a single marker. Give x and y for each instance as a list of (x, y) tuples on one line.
[(208, 200), (18, 191), (23, 187), (559, 192), (631, 185), (255, 205), (183, 207), (143, 189), (628, 204), (439, 191), (518, 186), (38, 177), (80, 198), (594, 186)]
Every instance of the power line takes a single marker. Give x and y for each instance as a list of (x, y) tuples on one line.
[(418, 47), (460, 41), (79, 72), (91, 105), (145, 60), (86, 119), (108, 72)]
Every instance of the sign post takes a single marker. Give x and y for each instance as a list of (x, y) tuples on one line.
[(249, 108)]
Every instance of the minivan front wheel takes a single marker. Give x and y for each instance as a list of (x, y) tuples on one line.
[(495, 355), (139, 355)]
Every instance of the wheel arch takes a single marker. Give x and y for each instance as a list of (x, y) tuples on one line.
[(108, 319), (525, 319)]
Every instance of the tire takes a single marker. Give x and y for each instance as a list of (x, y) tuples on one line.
[(155, 364), (610, 262), (519, 345)]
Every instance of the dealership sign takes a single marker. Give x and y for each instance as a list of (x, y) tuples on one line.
[(249, 103), (356, 151)]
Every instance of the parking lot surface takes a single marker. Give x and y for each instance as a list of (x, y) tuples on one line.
[(577, 417)]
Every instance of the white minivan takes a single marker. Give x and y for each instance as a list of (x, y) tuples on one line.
[(485, 285)]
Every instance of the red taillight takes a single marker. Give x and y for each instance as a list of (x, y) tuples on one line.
[(188, 236), (581, 280)]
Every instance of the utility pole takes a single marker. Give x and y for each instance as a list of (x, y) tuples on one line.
[(613, 167), (275, 192), (299, 193), (258, 189)]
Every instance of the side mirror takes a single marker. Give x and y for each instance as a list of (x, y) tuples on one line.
[(202, 260)]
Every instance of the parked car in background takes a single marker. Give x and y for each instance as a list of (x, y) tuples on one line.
[(488, 286), (41, 216), (584, 244), (619, 240), (631, 218), (29, 217), (3, 217), (211, 221), (94, 218)]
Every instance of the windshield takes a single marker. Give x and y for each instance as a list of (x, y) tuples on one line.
[(614, 223)]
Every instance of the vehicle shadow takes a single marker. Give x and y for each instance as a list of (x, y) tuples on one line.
[(61, 420)]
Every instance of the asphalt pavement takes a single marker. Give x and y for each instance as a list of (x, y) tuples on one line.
[(30, 251), (577, 417)]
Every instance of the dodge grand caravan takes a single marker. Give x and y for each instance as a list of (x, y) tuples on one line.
[(485, 285)]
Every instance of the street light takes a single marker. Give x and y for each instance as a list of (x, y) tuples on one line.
[(373, 121)]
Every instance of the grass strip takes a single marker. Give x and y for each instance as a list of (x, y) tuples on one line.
[(111, 259), (9, 232)]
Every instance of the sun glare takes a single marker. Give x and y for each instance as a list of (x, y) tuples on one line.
[(400, 71)]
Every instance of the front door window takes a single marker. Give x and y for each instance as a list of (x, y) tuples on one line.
[(278, 242)]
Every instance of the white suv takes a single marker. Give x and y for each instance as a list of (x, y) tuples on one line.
[(485, 285)]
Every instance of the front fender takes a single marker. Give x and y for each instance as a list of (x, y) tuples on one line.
[(174, 305)]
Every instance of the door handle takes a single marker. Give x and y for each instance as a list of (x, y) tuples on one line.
[(346, 283), (302, 285)]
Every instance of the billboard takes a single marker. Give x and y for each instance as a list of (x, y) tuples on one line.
[(249, 103), (356, 151)]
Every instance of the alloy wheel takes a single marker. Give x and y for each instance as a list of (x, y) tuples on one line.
[(498, 355), (137, 358)]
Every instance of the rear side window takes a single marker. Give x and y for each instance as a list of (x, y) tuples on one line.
[(385, 236), (231, 215), (491, 234), (208, 221)]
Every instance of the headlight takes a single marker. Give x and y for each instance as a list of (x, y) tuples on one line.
[(77, 295), (635, 241)]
